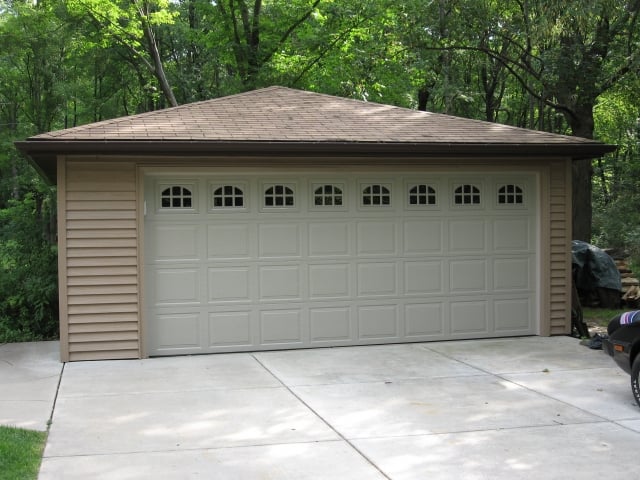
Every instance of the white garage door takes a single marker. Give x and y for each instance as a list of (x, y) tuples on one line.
[(256, 262)]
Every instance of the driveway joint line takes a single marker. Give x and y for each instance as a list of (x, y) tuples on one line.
[(345, 439), (505, 379), (55, 399), (188, 449)]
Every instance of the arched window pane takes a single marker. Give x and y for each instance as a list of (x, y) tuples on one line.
[(327, 195), (176, 197), (279, 196), (228, 196), (422, 195), (510, 195), (374, 195), (466, 195)]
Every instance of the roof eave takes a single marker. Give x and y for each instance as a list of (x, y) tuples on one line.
[(43, 153)]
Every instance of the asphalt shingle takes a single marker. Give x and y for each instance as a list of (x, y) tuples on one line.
[(279, 114)]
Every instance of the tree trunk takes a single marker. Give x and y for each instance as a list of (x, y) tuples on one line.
[(582, 125), (581, 218), (158, 70)]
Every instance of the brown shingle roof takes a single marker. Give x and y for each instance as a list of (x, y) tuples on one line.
[(282, 114), (274, 119)]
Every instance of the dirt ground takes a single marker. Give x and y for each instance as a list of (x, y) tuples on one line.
[(595, 327)]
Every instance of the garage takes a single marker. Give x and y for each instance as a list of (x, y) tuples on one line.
[(279, 219), (274, 260)]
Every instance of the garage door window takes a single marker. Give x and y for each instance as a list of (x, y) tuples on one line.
[(327, 196), (510, 195), (466, 195), (228, 196), (279, 196), (176, 197), (376, 195), (422, 195)]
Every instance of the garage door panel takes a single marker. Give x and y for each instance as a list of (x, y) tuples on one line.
[(378, 322), (511, 234), (281, 327), (467, 236), (377, 278), (423, 278), (423, 237), (512, 274), (469, 317), (468, 275), (175, 242), (280, 282), (177, 331), (330, 325), (230, 328), (329, 281), (329, 239), (176, 286), (231, 283), (229, 241), (425, 320), (376, 238), (513, 315), (279, 240)]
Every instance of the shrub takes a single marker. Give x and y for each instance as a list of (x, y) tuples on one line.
[(28, 269)]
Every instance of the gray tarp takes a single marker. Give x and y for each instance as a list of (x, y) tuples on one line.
[(593, 268)]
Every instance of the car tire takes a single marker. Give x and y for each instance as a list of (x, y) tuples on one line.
[(635, 379)]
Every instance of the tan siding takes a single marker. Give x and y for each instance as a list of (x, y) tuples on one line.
[(560, 248), (100, 355), (100, 234), (101, 270), (95, 337), (93, 328), (99, 309), (121, 317), (102, 282), (62, 260)]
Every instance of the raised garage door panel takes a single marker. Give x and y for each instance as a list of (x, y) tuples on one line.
[(242, 263)]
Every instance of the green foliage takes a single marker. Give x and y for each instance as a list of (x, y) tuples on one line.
[(28, 274), (20, 453), (616, 197), (562, 66)]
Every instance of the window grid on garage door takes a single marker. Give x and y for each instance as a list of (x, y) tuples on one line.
[(232, 196), (466, 194), (328, 195), (376, 195), (279, 195), (176, 196), (228, 196), (510, 194), (422, 194)]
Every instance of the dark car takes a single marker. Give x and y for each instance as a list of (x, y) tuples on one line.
[(623, 345)]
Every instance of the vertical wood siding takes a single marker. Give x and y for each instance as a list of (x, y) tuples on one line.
[(560, 248), (102, 281)]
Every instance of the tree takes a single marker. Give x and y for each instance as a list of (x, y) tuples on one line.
[(256, 32), (566, 55), (131, 24)]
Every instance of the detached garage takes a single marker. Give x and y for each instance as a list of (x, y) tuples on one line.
[(280, 219)]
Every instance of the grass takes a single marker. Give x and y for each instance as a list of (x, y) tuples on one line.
[(600, 316), (20, 453)]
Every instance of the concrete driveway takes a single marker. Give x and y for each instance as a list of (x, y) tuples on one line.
[(511, 408)]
